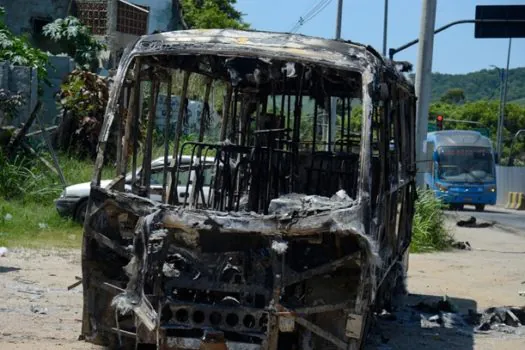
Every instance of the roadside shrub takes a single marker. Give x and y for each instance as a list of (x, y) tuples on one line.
[(20, 180), (428, 229), (83, 97)]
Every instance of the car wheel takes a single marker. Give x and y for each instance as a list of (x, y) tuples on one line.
[(480, 207), (80, 214)]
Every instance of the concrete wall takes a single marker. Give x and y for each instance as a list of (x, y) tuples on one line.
[(61, 66), (21, 80), (24, 80), (20, 12), (509, 179)]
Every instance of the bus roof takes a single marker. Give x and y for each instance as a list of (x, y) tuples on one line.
[(458, 138), (341, 54)]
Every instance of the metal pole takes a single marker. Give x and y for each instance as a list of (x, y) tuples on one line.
[(423, 79), (385, 27), (502, 121), (333, 101), (498, 131), (393, 51), (339, 19)]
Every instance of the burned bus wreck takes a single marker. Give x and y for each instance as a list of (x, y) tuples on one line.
[(283, 232)]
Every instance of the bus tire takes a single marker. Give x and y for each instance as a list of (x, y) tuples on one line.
[(480, 207), (458, 207)]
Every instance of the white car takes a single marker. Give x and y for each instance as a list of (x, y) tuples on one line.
[(73, 200)]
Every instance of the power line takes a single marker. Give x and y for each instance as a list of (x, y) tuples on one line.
[(301, 18), (313, 12)]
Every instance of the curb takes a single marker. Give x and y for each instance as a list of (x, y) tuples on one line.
[(516, 201)]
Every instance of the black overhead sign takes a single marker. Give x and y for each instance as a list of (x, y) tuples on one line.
[(510, 21)]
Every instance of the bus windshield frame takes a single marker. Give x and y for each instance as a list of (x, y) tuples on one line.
[(466, 164)]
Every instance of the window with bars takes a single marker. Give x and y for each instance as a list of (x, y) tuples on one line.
[(131, 19), (93, 15)]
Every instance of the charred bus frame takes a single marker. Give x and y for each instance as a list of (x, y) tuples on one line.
[(297, 239)]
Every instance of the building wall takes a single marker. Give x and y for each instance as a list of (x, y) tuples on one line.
[(24, 80), (160, 15), (20, 13)]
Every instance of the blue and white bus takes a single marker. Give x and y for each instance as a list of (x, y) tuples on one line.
[(461, 168)]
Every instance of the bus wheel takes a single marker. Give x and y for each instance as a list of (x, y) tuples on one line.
[(458, 207), (480, 207)]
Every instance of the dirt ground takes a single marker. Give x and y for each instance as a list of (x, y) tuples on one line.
[(38, 312)]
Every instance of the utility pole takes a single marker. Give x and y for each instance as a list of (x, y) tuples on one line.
[(333, 102), (339, 19), (501, 74), (423, 81), (385, 28), (501, 124)]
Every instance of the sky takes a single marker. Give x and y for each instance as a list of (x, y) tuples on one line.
[(456, 51)]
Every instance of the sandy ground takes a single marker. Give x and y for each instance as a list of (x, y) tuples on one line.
[(491, 274), (38, 312)]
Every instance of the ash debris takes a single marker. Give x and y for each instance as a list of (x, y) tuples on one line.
[(428, 314), (472, 222), (295, 203)]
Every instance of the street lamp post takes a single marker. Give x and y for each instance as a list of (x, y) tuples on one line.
[(385, 27), (501, 108), (502, 121)]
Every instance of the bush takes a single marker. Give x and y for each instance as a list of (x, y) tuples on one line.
[(19, 179), (428, 229), (83, 98)]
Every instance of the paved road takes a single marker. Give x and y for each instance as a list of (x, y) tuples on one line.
[(509, 218)]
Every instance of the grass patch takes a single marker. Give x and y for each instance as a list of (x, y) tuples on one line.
[(36, 225), (28, 217), (428, 230)]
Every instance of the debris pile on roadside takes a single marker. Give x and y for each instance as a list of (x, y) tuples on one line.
[(473, 223), (435, 314), (506, 319)]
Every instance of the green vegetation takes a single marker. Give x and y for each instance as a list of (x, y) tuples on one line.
[(429, 232), (481, 85), (36, 225), (210, 14), (485, 112), (27, 210), (18, 51), (76, 41)]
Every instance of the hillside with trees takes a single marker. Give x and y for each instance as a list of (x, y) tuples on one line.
[(481, 85)]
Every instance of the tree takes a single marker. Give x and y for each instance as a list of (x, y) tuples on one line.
[(76, 41), (486, 113), (455, 96), (211, 14)]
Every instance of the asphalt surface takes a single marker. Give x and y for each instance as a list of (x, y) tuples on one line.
[(506, 218)]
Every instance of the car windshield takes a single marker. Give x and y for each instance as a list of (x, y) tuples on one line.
[(465, 164), (157, 176)]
